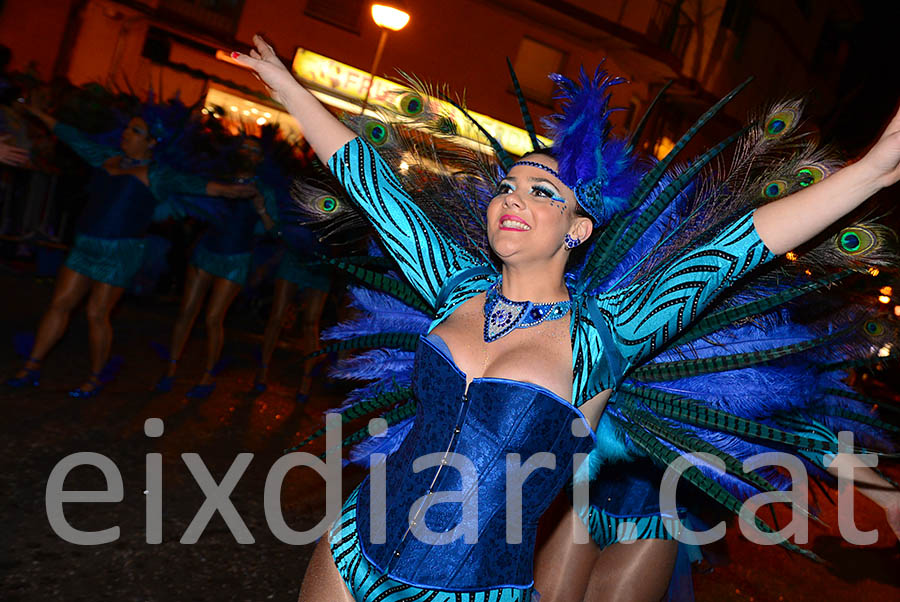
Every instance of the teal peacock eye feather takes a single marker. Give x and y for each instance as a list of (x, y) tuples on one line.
[(810, 174), (780, 123), (327, 204), (873, 328), (774, 189), (376, 132), (775, 126), (850, 242), (411, 104), (856, 240)]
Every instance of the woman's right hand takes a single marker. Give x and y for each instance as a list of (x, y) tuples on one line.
[(268, 68), (10, 154)]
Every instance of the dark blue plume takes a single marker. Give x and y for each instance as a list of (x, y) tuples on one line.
[(580, 139)]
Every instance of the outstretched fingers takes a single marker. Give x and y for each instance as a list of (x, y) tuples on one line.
[(247, 59), (264, 49)]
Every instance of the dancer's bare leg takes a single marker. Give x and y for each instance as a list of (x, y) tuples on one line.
[(566, 571), (284, 293), (197, 283), (71, 287), (223, 293), (562, 568), (100, 304), (310, 314), (322, 580), (638, 571)]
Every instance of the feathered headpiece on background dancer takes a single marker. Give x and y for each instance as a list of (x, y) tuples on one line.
[(167, 123)]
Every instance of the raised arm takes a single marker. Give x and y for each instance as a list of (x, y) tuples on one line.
[(166, 183), (649, 312), (427, 257), (93, 153), (324, 133), (789, 222)]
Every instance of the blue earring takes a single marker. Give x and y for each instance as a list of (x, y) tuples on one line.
[(571, 243)]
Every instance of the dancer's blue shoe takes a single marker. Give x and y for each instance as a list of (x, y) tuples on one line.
[(96, 385), (31, 377), (201, 391), (163, 385), (259, 387)]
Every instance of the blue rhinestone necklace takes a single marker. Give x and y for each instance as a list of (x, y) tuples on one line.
[(502, 316), (127, 162)]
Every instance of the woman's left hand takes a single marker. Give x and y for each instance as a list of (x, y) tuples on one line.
[(883, 159), (231, 191), (892, 514), (259, 203)]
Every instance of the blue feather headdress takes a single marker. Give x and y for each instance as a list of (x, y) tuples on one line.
[(164, 119), (599, 169), (589, 163)]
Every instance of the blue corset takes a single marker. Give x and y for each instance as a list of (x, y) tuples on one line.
[(235, 234), (120, 206), (495, 418)]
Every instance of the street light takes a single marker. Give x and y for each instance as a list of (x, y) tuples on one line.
[(387, 17)]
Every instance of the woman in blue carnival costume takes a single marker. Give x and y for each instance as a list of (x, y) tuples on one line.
[(545, 359), (127, 189), (220, 266)]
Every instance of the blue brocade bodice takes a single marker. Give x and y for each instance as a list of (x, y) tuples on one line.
[(479, 429), (120, 206), (235, 234)]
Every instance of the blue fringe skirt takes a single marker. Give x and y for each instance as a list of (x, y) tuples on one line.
[(367, 584), (234, 267), (112, 261), (304, 274)]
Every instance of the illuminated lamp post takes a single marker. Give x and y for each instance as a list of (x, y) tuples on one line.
[(387, 17)]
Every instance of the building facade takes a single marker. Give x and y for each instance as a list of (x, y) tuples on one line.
[(706, 46)]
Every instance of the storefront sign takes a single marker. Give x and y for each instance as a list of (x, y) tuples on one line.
[(351, 83)]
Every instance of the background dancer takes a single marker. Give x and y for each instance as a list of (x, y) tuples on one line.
[(220, 266), (126, 189)]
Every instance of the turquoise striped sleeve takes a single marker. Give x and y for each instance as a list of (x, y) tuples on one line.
[(646, 314), (426, 256), (93, 153)]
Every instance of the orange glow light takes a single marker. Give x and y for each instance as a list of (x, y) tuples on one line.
[(791, 256), (886, 290), (884, 299), (389, 17), (873, 271), (897, 310)]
